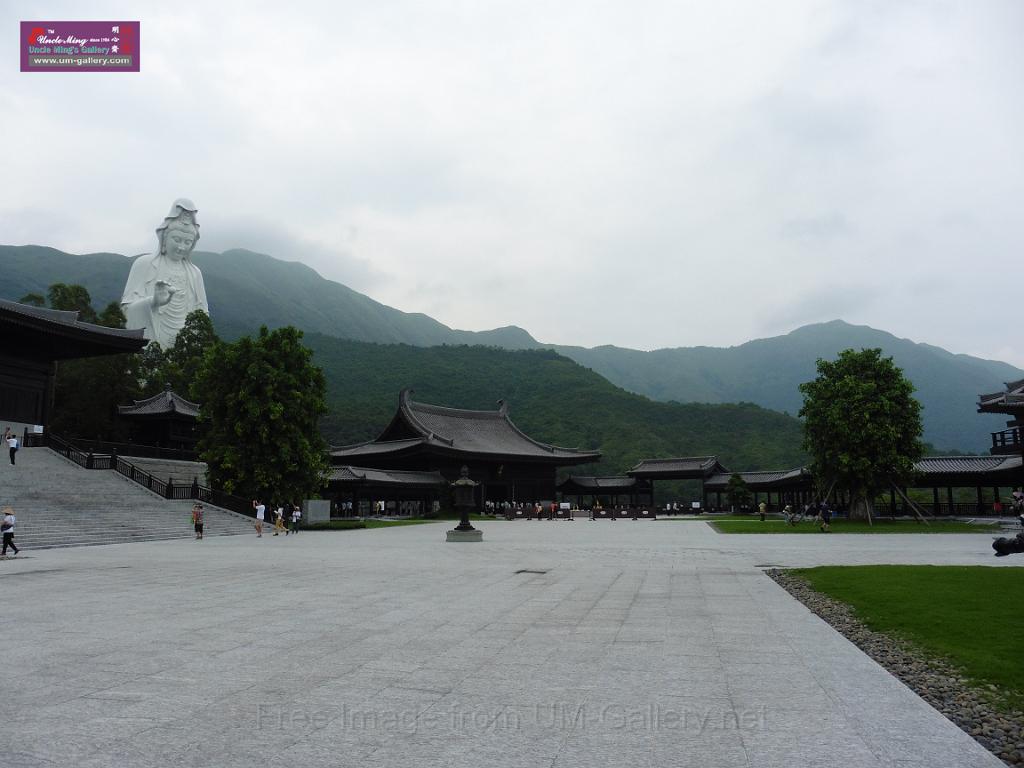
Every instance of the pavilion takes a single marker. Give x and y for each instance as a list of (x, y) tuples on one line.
[(165, 420), (683, 468), (35, 339), (423, 442), (637, 491)]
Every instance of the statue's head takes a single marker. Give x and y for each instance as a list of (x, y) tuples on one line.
[(179, 232)]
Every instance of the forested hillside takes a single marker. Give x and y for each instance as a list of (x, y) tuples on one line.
[(551, 398)]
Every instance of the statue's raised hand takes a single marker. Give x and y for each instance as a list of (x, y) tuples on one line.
[(162, 293)]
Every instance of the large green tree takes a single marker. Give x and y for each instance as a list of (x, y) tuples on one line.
[(261, 399), (862, 426), (178, 367)]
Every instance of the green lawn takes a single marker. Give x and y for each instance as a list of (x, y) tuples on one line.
[(739, 525), (717, 518), (971, 615)]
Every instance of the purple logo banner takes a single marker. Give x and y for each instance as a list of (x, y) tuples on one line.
[(79, 46)]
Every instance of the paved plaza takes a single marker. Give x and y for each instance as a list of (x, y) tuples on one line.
[(550, 644)]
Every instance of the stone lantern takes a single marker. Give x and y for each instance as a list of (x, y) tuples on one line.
[(464, 489)]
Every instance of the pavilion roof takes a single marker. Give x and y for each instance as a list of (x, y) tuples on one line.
[(683, 468), (608, 483), (466, 432), (162, 404), (940, 470), (967, 465), (59, 335), (1010, 400), (759, 479), (369, 476)]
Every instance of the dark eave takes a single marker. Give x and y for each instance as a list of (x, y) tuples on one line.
[(681, 468), (49, 334)]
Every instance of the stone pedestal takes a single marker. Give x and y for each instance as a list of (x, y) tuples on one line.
[(472, 535)]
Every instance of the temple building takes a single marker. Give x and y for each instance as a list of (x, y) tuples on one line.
[(165, 420), (424, 445), (35, 339)]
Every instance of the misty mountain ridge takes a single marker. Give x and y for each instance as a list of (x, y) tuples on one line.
[(248, 289)]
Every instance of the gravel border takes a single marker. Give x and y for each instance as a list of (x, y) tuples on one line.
[(936, 681)]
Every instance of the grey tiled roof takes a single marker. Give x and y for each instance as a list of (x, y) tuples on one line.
[(164, 403), (480, 431), (600, 483), (385, 477), (686, 466), (489, 433), (967, 465), (1011, 398), (68, 324), (375, 447), (759, 479), (933, 466)]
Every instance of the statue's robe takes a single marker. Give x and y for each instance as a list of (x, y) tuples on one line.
[(163, 323)]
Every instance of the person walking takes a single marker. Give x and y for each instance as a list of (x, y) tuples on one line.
[(260, 512), (825, 516), (7, 527), (197, 519), (296, 517), (12, 443), (278, 520)]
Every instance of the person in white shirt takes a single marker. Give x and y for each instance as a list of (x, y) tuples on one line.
[(7, 526), (12, 443), (260, 512), (296, 516)]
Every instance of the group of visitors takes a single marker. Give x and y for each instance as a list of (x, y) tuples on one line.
[(819, 511), (293, 515)]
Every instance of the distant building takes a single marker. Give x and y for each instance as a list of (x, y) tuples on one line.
[(165, 420), (430, 443)]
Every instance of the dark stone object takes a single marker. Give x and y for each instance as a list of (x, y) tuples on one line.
[(1004, 546)]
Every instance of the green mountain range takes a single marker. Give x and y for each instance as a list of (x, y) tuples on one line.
[(550, 397), (248, 289)]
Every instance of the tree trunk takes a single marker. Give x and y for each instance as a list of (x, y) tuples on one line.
[(861, 509)]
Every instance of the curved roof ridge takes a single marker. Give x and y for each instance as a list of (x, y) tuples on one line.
[(375, 442), (406, 406)]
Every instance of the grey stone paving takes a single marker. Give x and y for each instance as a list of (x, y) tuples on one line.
[(649, 643)]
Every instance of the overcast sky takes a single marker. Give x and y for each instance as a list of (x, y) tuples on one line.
[(640, 174)]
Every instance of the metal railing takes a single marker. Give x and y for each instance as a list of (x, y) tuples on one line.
[(1007, 441), (139, 451), (166, 488)]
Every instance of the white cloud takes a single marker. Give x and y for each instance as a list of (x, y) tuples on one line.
[(647, 175)]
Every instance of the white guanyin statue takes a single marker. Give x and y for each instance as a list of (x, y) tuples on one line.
[(163, 288)]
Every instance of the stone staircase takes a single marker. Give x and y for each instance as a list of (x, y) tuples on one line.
[(181, 472), (59, 504)]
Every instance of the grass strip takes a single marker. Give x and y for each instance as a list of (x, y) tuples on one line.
[(973, 616)]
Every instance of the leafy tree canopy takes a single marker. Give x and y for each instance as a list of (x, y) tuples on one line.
[(737, 493), (862, 425), (178, 367), (261, 399)]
